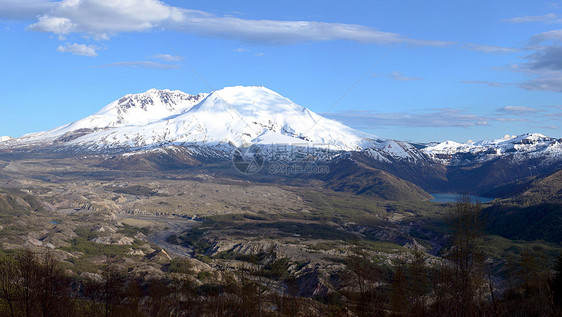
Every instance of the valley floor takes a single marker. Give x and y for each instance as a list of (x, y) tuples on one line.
[(289, 240)]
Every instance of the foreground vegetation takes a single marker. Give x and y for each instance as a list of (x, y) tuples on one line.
[(36, 285), (363, 283)]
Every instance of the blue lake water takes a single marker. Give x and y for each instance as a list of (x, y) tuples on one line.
[(452, 198)]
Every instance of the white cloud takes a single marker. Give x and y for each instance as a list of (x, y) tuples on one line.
[(168, 57), (24, 9), (446, 117), (543, 66), (142, 64), (400, 77), (290, 32), (518, 110), (397, 76), (544, 69), (491, 48), (548, 58), (484, 82), (503, 119), (443, 117), (103, 19), (79, 49), (246, 50), (544, 83), (548, 18), (538, 114), (550, 127), (554, 35), (57, 25)]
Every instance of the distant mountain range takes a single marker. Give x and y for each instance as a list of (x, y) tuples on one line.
[(521, 147), (189, 129)]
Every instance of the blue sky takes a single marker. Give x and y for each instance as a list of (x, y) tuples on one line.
[(410, 70)]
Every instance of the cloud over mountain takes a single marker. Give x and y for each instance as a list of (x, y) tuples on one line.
[(103, 19)]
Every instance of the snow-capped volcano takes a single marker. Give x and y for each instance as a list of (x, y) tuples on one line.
[(232, 116)]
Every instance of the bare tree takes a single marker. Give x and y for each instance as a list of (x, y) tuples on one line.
[(466, 275), (399, 303), (363, 275), (419, 284), (27, 270), (8, 284), (52, 286), (112, 287), (557, 285)]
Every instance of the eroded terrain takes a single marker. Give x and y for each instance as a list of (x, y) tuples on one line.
[(86, 215)]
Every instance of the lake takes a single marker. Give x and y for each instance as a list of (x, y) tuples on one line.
[(452, 198)]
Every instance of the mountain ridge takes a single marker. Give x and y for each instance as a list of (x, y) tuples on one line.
[(167, 129), (531, 145), (237, 116)]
